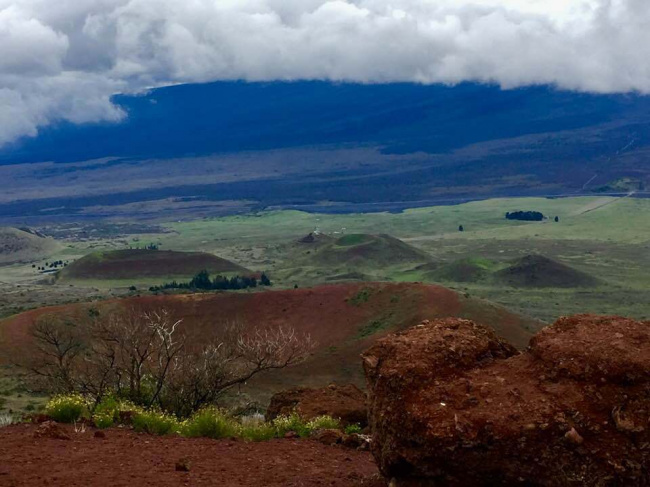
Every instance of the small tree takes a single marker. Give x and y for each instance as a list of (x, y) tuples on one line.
[(147, 357), (264, 280), (460, 228), (201, 280)]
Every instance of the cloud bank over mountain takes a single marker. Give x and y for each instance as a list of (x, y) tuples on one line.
[(64, 60)]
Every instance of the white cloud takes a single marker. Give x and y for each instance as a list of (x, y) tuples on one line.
[(62, 60)]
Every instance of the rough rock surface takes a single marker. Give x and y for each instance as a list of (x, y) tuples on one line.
[(347, 403), (49, 429), (328, 436), (451, 404)]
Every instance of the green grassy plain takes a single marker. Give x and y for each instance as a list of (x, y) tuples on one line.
[(606, 237)]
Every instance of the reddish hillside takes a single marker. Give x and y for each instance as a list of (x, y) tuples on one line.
[(343, 319)]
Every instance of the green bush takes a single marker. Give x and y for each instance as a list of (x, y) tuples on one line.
[(155, 423), (107, 412), (285, 424), (103, 420), (352, 429), (210, 423), (207, 423), (257, 432), (66, 409), (323, 423), (109, 406)]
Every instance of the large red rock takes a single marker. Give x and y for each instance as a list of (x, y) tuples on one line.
[(451, 404), (347, 403)]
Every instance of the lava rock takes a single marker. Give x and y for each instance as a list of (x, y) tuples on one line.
[(452, 404), (328, 436), (50, 429), (356, 441)]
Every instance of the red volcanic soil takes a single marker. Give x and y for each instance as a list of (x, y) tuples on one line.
[(343, 319), (125, 458)]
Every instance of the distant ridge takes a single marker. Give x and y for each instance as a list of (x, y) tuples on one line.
[(24, 245)]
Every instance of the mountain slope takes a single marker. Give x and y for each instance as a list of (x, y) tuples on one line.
[(540, 271), (235, 116), (342, 319), (364, 250), (332, 145), (23, 245)]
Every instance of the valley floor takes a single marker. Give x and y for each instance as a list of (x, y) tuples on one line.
[(125, 458)]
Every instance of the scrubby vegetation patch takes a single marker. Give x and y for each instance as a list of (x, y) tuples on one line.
[(210, 422)]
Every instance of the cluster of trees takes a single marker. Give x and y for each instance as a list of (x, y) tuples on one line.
[(202, 281), (51, 265), (151, 359), (151, 246), (532, 216)]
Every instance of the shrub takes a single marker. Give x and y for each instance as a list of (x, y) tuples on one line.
[(257, 432), (107, 412), (66, 409), (285, 424), (210, 423), (108, 406), (323, 423), (353, 429), (103, 420), (155, 423)]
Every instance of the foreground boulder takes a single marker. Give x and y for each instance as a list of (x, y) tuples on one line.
[(451, 404), (347, 403)]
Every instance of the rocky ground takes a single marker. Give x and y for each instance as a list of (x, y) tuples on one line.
[(125, 458)]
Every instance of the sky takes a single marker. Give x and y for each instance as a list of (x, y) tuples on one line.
[(63, 60)]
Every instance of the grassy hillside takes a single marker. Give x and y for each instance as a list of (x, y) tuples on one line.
[(462, 270), (540, 271), (353, 256), (364, 250), (23, 246), (138, 265), (605, 237), (530, 271)]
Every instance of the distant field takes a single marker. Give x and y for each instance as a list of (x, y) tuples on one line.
[(624, 220), (604, 237), (607, 238)]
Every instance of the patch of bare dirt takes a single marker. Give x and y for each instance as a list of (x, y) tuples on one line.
[(125, 458)]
